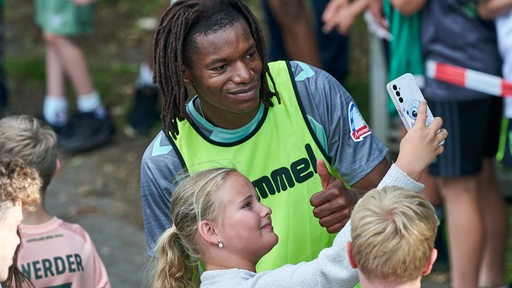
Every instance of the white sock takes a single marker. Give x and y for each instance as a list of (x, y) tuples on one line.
[(88, 102), (145, 76), (55, 110), (91, 103)]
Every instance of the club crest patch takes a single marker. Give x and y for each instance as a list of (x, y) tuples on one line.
[(358, 127)]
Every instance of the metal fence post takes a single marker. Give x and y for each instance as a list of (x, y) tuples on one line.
[(379, 118)]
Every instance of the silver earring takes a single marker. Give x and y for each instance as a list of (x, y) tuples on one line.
[(220, 243)]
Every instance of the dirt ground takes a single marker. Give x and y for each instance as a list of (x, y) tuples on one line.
[(99, 189)]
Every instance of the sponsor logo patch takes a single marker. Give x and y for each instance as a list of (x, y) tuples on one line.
[(358, 127)]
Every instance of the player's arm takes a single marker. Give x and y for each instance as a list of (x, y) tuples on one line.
[(333, 205), (408, 7), (491, 9), (372, 179)]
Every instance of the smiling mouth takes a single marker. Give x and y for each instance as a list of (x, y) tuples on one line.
[(267, 225), (247, 90)]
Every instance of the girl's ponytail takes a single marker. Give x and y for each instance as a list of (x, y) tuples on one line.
[(174, 266)]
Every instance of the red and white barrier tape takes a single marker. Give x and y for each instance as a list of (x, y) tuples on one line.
[(471, 79)]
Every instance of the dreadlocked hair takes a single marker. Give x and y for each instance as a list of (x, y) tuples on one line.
[(174, 44)]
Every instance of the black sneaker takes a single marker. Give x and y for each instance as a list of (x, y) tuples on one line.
[(85, 131), (144, 113), (65, 131)]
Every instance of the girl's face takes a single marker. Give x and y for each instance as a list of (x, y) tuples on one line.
[(245, 228), (224, 71), (9, 222)]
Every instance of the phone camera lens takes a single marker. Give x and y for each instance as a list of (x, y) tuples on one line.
[(401, 99), (394, 87), (397, 93)]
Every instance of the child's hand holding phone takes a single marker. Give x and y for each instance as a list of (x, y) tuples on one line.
[(422, 143), (425, 137)]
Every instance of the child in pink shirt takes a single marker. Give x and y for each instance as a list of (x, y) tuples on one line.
[(58, 252), (54, 253)]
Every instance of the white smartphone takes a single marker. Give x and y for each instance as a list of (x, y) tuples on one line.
[(407, 96)]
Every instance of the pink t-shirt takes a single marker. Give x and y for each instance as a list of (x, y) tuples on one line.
[(62, 254)]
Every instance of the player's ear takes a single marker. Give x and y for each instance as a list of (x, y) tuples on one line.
[(186, 76)]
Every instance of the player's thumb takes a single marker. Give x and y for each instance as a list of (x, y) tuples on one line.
[(325, 176)]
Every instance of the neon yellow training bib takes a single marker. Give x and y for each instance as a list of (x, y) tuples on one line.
[(280, 160)]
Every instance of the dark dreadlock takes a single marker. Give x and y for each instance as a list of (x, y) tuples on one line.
[(174, 37)]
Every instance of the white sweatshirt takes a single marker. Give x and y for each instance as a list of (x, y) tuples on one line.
[(330, 269)]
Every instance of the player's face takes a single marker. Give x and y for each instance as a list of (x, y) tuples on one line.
[(11, 218), (225, 73), (246, 227)]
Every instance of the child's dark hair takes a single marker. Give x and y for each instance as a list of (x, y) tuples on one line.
[(174, 40)]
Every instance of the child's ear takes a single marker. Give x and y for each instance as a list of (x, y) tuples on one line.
[(208, 232), (431, 259), (351, 258), (57, 168)]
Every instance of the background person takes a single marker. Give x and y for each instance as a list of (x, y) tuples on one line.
[(476, 213), (501, 13), (70, 259), (295, 33), (144, 111), (91, 127)]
